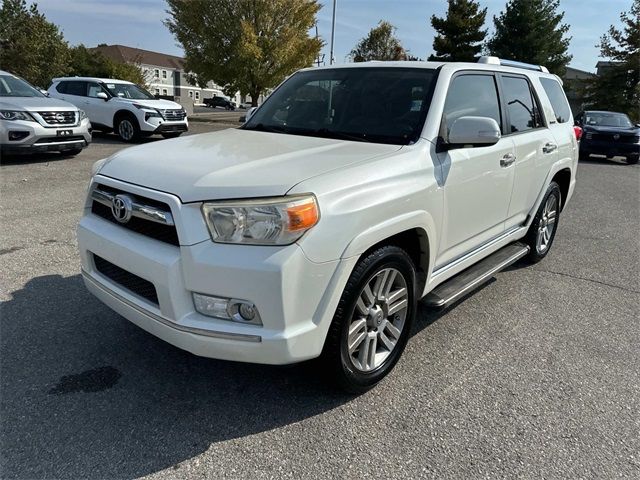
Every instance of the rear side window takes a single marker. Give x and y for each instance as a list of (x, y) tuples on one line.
[(561, 108), (76, 88), (62, 87), (471, 95), (521, 106)]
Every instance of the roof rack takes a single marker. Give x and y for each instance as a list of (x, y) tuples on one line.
[(511, 63)]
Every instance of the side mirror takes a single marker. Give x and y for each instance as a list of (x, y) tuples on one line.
[(44, 92), (474, 131), (102, 95), (637, 124)]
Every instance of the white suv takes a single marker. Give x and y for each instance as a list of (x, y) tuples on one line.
[(351, 193), (123, 107)]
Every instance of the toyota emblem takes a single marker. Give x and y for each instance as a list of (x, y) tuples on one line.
[(121, 208), (59, 117)]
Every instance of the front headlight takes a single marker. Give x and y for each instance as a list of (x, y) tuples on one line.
[(149, 112), (83, 114), (269, 221), (15, 115)]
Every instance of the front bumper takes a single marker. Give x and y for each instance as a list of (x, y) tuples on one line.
[(296, 298), (37, 138), (609, 149), (154, 125)]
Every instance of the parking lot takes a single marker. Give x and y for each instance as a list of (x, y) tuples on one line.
[(537, 374)]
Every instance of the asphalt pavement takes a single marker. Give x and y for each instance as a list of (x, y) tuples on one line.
[(535, 375)]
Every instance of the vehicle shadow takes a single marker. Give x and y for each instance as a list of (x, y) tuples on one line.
[(604, 160), (32, 158), (85, 393), (103, 138)]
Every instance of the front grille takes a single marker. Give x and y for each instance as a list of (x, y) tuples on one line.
[(608, 137), (141, 287), (174, 115), (148, 228), (59, 118)]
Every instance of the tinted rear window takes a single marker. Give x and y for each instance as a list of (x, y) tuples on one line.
[(561, 108)]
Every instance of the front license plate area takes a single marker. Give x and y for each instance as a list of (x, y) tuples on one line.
[(64, 133)]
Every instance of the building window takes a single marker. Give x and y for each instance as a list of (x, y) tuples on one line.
[(164, 91), (164, 74), (197, 95), (157, 91), (156, 73)]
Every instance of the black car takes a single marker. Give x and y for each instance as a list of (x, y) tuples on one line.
[(219, 102), (610, 134)]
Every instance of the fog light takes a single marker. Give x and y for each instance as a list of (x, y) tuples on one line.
[(227, 309), (13, 135)]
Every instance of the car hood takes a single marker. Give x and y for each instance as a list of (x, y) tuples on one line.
[(35, 104), (159, 103), (235, 163), (601, 129)]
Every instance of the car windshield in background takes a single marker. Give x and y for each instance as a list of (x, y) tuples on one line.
[(604, 119), (11, 86), (368, 104), (128, 90)]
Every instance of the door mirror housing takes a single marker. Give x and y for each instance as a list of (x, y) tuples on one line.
[(245, 118), (474, 132), (102, 95)]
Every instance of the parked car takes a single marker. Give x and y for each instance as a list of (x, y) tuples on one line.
[(314, 229), (611, 134), (31, 122), (214, 102), (245, 105), (123, 107)]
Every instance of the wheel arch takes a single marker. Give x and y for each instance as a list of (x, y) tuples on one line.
[(563, 179), (123, 113)]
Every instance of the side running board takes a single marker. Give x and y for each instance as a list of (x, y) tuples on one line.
[(474, 276)]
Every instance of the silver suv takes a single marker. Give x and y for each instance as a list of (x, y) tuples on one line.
[(31, 122)]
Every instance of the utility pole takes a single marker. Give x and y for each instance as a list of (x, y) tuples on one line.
[(333, 33)]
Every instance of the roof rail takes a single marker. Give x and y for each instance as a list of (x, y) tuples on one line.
[(512, 63)]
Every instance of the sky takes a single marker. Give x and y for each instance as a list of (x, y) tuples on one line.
[(138, 23)]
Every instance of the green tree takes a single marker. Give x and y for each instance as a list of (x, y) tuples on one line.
[(380, 44), (88, 62), (459, 35), (618, 87), (245, 45), (30, 46), (532, 31)]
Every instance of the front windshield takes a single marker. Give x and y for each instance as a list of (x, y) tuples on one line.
[(11, 86), (607, 119), (128, 90), (369, 104)]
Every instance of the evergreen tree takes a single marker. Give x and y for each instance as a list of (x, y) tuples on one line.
[(30, 46), (380, 44), (459, 35), (618, 86), (532, 31)]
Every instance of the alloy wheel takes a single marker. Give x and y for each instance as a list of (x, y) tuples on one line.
[(547, 224), (378, 319), (125, 129)]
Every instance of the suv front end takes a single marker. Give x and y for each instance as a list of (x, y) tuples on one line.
[(159, 267), (152, 120)]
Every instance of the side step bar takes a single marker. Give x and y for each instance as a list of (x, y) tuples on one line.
[(474, 276)]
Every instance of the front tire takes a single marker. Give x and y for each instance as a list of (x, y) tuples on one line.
[(373, 320), (632, 160), (127, 128), (543, 229)]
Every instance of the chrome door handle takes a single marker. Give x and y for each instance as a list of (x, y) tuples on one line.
[(507, 160), (549, 147)]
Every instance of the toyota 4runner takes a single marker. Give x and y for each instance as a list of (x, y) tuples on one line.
[(350, 194)]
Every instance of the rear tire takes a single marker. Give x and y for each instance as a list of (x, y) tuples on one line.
[(545, 225), (373, 320), (127, 128)]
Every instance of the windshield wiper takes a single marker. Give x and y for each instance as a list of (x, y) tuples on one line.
[(261, 127), (326, 133)]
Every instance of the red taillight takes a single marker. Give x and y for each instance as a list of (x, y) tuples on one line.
[(578, 131)]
